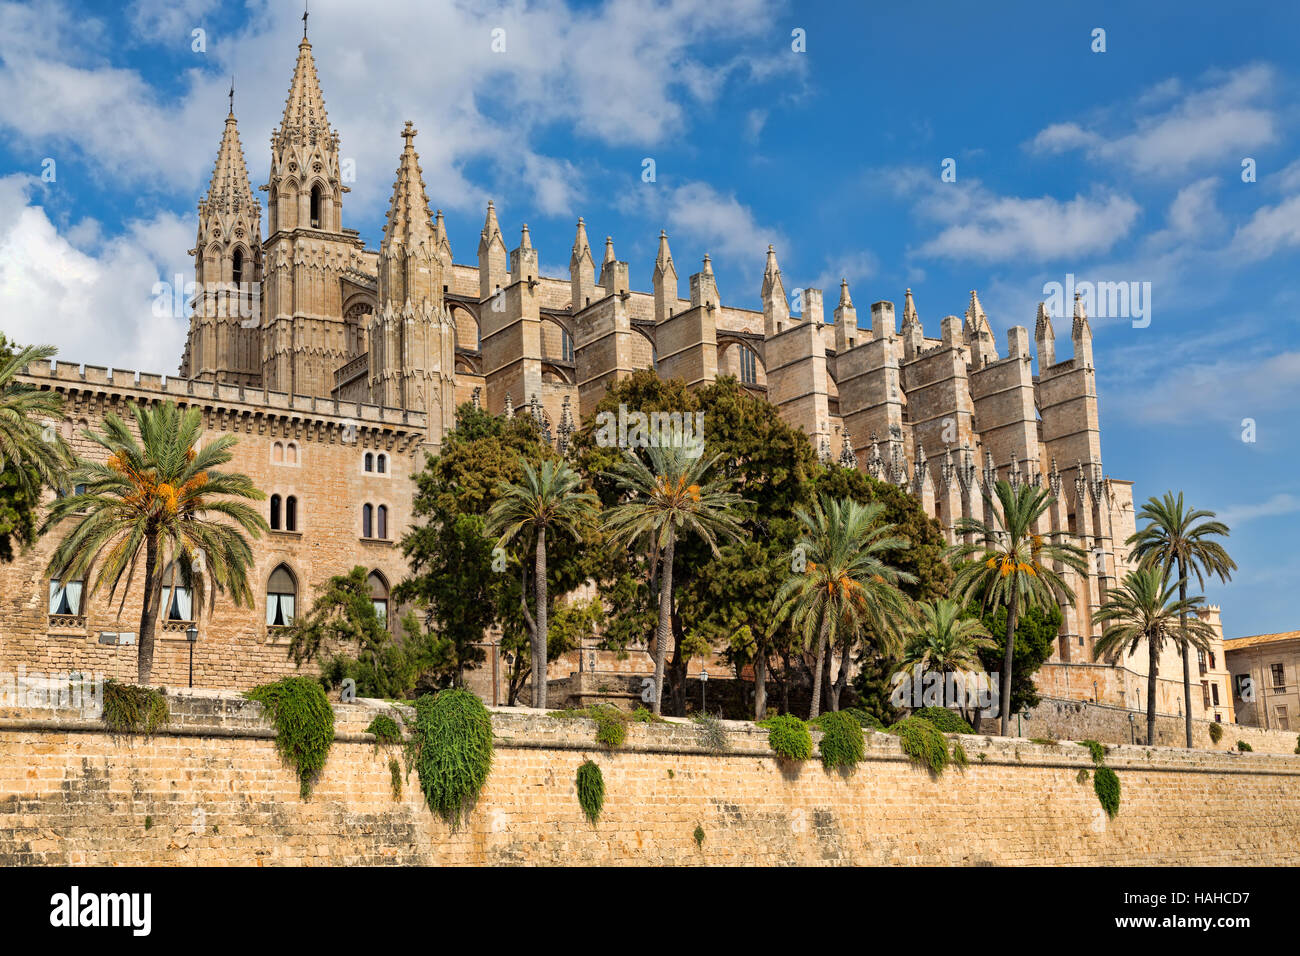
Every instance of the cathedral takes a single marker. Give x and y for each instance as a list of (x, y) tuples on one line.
[(339, 366)]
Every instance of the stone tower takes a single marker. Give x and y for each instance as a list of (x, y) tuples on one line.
[(412, 338), (224, 341), (308, 254)]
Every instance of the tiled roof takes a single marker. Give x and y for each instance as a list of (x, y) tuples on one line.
[(1238, 643)]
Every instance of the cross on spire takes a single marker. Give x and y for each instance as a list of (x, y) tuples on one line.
[(232, 96), (304, 19), (409, 133)]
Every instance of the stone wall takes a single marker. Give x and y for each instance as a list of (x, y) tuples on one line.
[(1077, 720), (211, 790)]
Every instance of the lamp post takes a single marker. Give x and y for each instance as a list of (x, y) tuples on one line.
[(192, 635), (704, 690)]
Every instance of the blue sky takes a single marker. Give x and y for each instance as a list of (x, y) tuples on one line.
[(1123, 165)]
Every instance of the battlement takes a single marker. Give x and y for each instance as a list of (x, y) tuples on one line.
[(73, 378)]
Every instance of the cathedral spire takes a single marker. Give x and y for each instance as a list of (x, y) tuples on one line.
[(582, 270), (776, 309), (229, 190), (304, 118), (664, 281), (408, 222), (909, 310)]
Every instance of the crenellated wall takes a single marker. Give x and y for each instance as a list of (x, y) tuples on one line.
[(211, 790)]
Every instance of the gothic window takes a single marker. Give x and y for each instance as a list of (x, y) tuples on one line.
[(237, 267), (291, 453), (382, 521), (381, 463), (315, 207), (65, 598), (367, 521), (291, 513), (275, 512), (370, 461), (748, 366), (281, 595), (379, 596), (177, 596), (566, 345)]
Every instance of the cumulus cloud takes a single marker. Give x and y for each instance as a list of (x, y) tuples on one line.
[(1276, 506), (1174, 130)]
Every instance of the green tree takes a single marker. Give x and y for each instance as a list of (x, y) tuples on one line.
[(160, 495), (548, 497), (843, 583), (1036, 634), (666, 500), (1007, 562), (1143, 609), (1179, 540), (945, 641)]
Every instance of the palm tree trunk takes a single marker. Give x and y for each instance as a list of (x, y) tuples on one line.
[(148, 610), (760, 685), (1187, 669), (664, 633), (1153, 664), (1013, 609), (817, 670), (841, 679), (539, 635)]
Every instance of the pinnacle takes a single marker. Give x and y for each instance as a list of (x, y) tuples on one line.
[(229, 189), (304, 109), (909, 309), (490, 225), (609, 249), (408, 211)]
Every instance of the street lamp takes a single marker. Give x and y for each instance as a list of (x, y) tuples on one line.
[(192, 635), (704, 690)]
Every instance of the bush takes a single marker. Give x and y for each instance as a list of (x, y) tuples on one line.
[(1216, 732), (1106, 784), (713, 737), (841, 744), (948, 722), (129, 709), (699, 835), (451, 748), (959, 755), (385, 730), (591, 790), (304, 725), (643, 716), (923, 742), (1097, 750), (865, 718), (1244, 747), (788, 736), (395, 771), (611, 723)]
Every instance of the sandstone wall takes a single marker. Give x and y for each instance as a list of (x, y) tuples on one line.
[(212, 790)]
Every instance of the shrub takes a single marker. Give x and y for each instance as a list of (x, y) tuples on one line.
[(959, 755), (451, 749), (643, 716), (789, 737), (1044, 741), (385, 730), (1216, 732), (1097, 750), (1244, 747), (1081, 776), (304, 725), (1106, 784), (841, 744), (129, 709), (922, 742), (148, 822), (948, 722), (395, 771), (591, 790), (611, 726), (713, 737), (699, 835), (865, 718)]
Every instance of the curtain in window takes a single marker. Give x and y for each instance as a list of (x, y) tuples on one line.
[(381, 611), (182, 605), (279, 610), (56, 596), (72, 596)]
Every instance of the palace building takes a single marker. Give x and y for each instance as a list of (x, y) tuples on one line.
[(350, 363)]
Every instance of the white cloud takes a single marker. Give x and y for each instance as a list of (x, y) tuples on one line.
[(1216, 122), (1270, 228), (1222, 390), (94, 307), (1276, 506)]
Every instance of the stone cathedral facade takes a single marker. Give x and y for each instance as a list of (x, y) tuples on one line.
[(350, 363)]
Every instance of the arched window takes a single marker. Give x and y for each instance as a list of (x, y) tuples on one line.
[(370, 461), (65, 599), (291, 453), (273, 210), (281, 595), (383, 523), (275, 512), (277, 453), (748, 366), (566, 345), (315, 206), (381, 463), (379, 596), (367, 521), (237, 267), (177, 597), (291, 513), (654, 358)]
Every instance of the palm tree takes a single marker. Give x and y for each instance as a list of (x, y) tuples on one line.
[(846, 586), (1177, 539), (28, 441), (160, 495), (1143, 608), (946, 642), (549, 497), (1008, 563), (667, 499)]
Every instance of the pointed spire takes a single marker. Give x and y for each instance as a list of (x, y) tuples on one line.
[(229, 190), (441, 240), (848, 459), (304, 108), (975, 315), (491, 228), (525, 240), (510, 407), (581, 247), (909, 310), (609, 251), (846, 301), (408, 220), (664, 260), (772, 268), (776, 310)]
